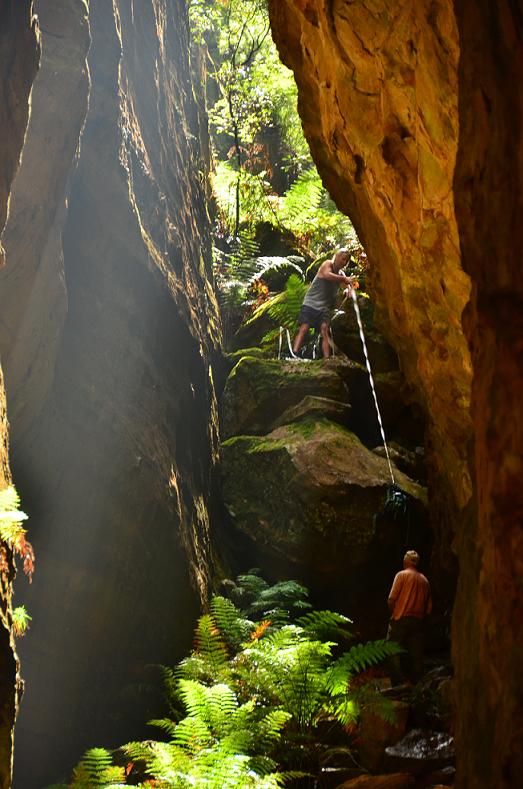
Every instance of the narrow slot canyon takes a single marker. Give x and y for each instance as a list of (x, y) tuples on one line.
[(174, 179)]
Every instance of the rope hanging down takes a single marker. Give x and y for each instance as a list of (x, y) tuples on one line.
[(352, 292), (371, 379)]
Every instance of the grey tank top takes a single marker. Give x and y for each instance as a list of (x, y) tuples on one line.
[(322, 294)]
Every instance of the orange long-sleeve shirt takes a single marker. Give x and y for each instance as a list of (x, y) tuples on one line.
[(410, 595)]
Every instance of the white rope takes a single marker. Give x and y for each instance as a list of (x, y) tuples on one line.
[(290, 346), (369, 370)]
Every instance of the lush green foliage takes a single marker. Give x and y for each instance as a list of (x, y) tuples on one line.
[(260, 680), (263, 170), (13, 543), (21, 621)]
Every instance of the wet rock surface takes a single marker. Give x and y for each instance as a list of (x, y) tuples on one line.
[(421, 751)]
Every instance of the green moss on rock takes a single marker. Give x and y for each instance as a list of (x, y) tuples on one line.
[(258, 391), (309, 486)]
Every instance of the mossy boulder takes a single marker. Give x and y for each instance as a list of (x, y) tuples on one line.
[(311, 407), (306, 496), (253, 330), (259, 391)]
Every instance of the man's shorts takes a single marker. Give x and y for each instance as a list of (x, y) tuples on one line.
[(313, 317)]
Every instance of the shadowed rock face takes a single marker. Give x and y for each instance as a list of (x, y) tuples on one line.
[(488, 635), (109, 338), (379, 86), (19, 56)]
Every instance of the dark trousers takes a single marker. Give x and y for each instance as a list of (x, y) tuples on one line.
[(407, 631)]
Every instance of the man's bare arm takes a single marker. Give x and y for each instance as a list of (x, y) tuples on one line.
[(394, 592), (325, 272)]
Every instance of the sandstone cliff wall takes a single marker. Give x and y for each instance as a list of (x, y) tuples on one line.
[(19, 55), (111, 327), (378, 101), (379, 84), (488, 619)]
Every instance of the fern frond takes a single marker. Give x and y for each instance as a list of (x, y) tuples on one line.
[(356, 660), (166, 725), (284, 308), (192, 734), (210, 645), (213, 705), (347, 707), (233, 626), (252, 581), (10, 503), (325, 624), (96, 769)]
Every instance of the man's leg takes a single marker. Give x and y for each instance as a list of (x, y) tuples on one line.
[(300, 337), (325, 342), (414, 644), (394, 634)]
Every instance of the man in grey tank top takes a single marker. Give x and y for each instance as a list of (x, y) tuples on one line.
[(320, 300)]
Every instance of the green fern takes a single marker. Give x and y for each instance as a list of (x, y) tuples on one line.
[(251, 584), (233, 626), (290, 671), (358, 659), (302, 200), (11, 517), (283, 308), (249, 690), (97, 770), (280, 602), (347, 706), (210, 645), (325, 624), (21, 621)]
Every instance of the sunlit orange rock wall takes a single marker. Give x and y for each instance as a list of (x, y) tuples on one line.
[(19, 56), (109, 330), (393, 98), (378, 100)]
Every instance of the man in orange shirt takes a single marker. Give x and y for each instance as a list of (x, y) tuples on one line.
[(409, 603)]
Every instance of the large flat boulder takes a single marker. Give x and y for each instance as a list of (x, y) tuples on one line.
[(318, 408), (259, 391), (306, 496)]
